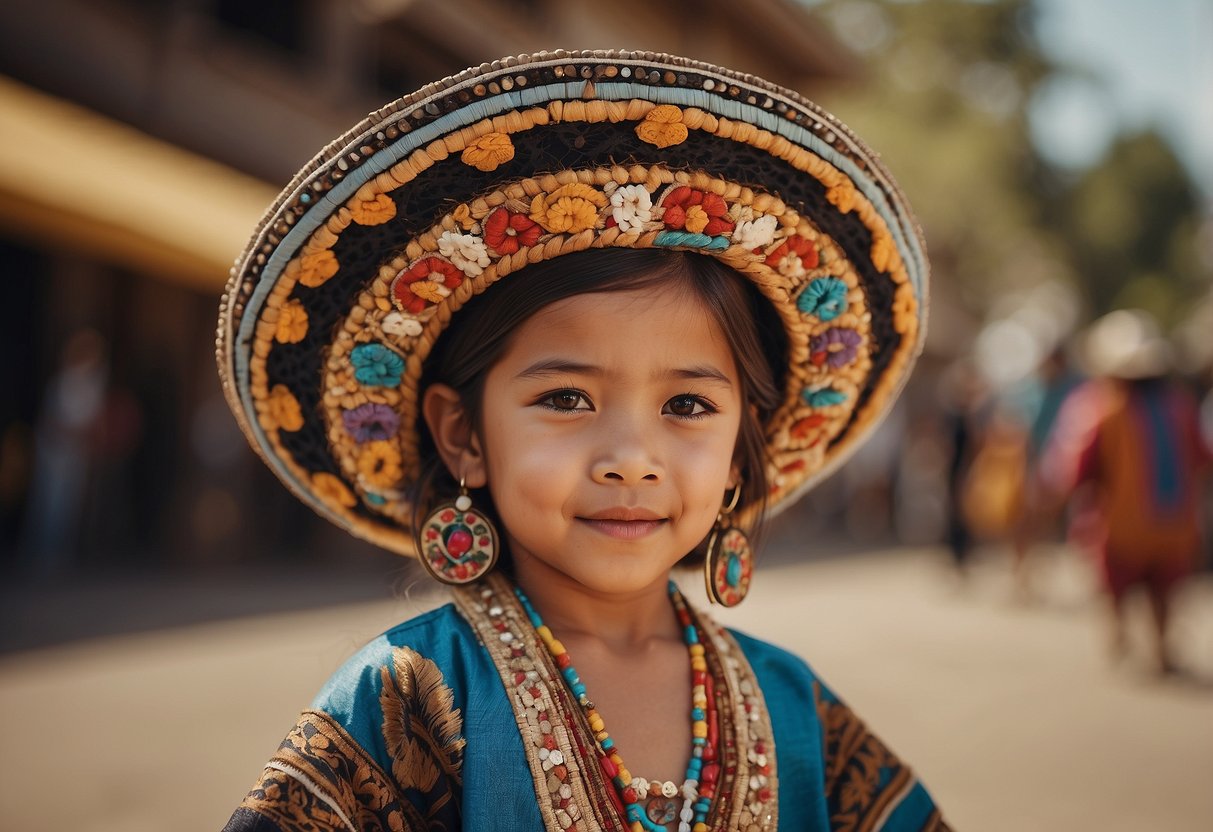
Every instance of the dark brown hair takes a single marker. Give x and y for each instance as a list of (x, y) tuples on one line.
[(463, 355)]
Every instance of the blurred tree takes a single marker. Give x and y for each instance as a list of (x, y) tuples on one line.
[(946, 96), (1132, 223)]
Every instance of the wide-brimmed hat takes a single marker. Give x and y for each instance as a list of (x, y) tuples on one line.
[(1127, 344), (369, 253)]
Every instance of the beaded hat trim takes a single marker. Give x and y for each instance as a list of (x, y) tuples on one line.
[(359, 266)]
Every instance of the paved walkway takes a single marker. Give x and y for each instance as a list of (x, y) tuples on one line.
[(1010, 712)]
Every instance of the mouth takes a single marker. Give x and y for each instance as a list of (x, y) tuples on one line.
[(624, 523)]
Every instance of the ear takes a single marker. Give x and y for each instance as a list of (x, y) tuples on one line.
[(454, 435)]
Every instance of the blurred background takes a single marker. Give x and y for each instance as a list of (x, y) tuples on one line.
[(167, 607)]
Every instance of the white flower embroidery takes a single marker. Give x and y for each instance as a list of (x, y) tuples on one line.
[(401, 325), (468, 253), (632, 207), (757, 233)]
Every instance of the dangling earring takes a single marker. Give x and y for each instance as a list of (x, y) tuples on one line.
[(455, 544), (729, 564)]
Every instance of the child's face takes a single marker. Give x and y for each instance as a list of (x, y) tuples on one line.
[(609, 428)]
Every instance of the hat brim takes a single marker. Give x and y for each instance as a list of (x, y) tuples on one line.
[(364, 259)]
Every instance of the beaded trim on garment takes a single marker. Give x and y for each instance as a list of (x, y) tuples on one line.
[(572, 792)]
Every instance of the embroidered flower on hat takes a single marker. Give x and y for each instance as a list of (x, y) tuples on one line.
[(571, 208), (317, 267), (631, 207), (380, 464), (662, 126), (465, 251), (292, 323), (402, 326), (824, 297), (488, 152), (371, 422), (506, 231), (755, 233), (376, 366), (283, 408), (373, 211), (822, 396), (699, 212), (794, 256), (332, 490), (425, 283), (836, 347)]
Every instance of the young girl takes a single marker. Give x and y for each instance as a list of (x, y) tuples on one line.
[(555, 326)]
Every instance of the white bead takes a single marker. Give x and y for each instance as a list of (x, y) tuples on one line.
[(556, 757), (574, 812), (762, 759), (754, 784), (506, 637), (463, 502), (684, 826), (566, 791), (669, 788), (545, 727), (495, 611), (687, 813), (544, 754), (640, 785)]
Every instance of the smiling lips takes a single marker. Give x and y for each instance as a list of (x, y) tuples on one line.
[(624, 523)]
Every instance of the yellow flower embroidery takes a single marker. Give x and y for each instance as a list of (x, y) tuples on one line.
[(488, 152), (379, 464), (373, 211), (570, 208), (284, 410), (292, 323), (842, 197), (317, 267), (332, 490), (882, 251), (662, 126), (697, 219)]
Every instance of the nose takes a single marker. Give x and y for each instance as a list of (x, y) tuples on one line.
[(628, 456)]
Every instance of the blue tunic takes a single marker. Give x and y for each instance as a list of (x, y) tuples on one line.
[(418, 731)]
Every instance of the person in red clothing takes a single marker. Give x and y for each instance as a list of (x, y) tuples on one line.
[(1129, 452)]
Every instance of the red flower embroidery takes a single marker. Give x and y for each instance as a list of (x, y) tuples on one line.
[(426, 282), (698, 212), (793, 257), (506, 232)]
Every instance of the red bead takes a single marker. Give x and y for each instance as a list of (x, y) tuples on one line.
[(549, 742), (629, 795), (519, 677), (608, 768), (764, 793), (563, 661)]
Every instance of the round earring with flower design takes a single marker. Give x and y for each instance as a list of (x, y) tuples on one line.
[(729, 564), (457, 544)]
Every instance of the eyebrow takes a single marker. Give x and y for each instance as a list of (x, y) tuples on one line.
[(559, 366)]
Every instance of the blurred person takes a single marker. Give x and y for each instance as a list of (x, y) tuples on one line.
[(1038, 402), (963, 394), (1128, 453), (64, 450)]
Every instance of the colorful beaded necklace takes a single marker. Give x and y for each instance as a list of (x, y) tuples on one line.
[(702, 770)]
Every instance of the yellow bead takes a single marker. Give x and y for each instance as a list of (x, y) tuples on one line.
[(556, 647), (699, 664), (637, 826), (625, 776), (699, 701), (696, 649), (699, 827), (699, 729)]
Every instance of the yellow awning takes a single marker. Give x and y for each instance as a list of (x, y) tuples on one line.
[(70, 177)]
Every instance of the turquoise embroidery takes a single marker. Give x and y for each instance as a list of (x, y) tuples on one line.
[(823, 396), (825, 297), (691, 240), (376, 366)]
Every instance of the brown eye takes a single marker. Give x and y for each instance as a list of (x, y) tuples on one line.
[(566, 401), (686, 406)]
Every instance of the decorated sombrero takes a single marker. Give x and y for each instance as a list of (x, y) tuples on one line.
[(369, 253)]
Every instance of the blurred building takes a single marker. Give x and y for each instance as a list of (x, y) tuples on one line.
[(141, 140)]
